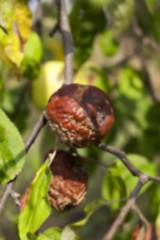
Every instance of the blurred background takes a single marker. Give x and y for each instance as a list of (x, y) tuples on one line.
[(117, 48)]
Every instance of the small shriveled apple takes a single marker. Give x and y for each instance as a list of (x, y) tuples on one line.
[(80, 115)]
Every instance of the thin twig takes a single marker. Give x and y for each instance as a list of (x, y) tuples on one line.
[(138, 35), (116, 201), (38, 23), (140, 214), (4, 29), (67, 41), (121, 155), (99, 162), (54, 30), (124, 211), (5, 195), (40, 123)]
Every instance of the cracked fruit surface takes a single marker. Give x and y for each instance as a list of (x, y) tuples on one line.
[(68, 186), (80, 115)]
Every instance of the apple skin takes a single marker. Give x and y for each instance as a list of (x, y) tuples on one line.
[(51, 78), (49, 81)]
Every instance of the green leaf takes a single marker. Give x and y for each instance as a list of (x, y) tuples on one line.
[(151, 4), (102, 80), (86, 20), (155, 24), (150, 138), (53, 233), (1, 82), (38, 207), (158, 219), (153, 116), (142, 164), (31, 236), (108, 44), (32, 56), (99, 3), (113, 187), (12, 152), (154, 202), (130, 84), (89, 210)]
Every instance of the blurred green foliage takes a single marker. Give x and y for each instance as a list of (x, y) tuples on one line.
[(104, 36), (86, 20), (31, 62)]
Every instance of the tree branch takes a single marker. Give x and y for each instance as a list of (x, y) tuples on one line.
[(121, 155), (15, 196), (124, 211), (40, 123), (64, 27), (6, 195), (138, 35), (136, 209), (39, 19), (54, 30)]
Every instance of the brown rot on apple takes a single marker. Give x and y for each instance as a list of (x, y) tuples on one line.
[(68, 185), (80, 115)]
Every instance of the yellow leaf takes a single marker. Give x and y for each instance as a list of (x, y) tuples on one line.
[(23, 18), (16, 18)]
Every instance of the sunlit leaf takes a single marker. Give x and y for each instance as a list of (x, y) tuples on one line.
[(12, 152), (16, 20), (1, 82), (38, 206), (108, 44), (53, 233), (23, 19), (130, 84), (69, 234)]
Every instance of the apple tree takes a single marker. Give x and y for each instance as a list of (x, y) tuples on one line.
[(79, 119)]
